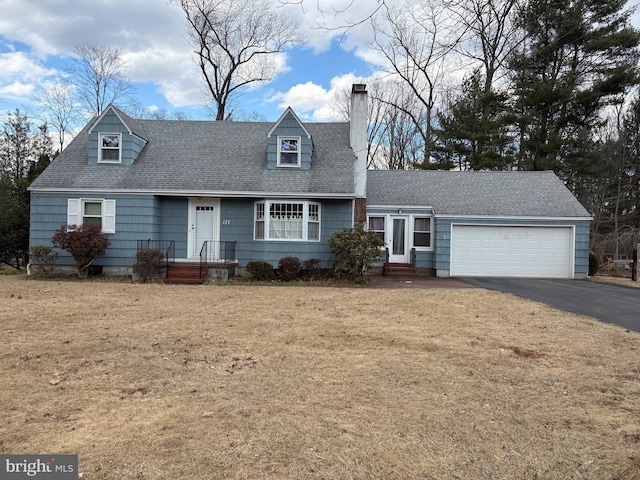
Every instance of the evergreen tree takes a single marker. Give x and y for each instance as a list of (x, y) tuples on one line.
[(473, 133), (578, 57), (24, 154)]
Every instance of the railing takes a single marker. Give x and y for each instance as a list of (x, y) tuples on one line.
[(214, 251), (168, 247), (413, 257)]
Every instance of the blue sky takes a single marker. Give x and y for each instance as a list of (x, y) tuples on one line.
[(37, 38)]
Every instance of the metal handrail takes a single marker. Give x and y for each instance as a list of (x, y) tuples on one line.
[(203, 257), (214, 251), (168, 247)]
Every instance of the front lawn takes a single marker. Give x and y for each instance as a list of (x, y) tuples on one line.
[(249, 382)]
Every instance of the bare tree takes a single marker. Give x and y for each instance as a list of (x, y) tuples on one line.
[(415, 42), (56, 102), (236, 43), (99, 76), (489, 33)]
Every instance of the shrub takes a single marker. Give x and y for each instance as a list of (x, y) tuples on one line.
[(260, 270), (311, 267), (44, 259), (355, 250), (85, 243), (288, 268), (594, 264), (149, 264)]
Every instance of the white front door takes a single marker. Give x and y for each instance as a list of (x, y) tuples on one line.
[(203, 221), (398, 243)]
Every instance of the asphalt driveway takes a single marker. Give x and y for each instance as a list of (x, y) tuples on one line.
[(615, 304)]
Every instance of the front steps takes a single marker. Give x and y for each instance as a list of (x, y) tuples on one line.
[(185, 274), (399, 270)]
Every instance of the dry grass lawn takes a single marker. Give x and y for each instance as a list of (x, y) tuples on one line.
[(256, 382)]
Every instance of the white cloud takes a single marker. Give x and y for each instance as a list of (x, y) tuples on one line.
[(13, 64), (17, 89), (313, 102)]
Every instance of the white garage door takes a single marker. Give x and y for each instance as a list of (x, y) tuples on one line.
[(492, 251)]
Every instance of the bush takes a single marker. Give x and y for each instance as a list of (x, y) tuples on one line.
[(356, 250), (260, 270), (288, 268), (85, 243), (311, 268), (44, 259), (594, 264), (149, 264)]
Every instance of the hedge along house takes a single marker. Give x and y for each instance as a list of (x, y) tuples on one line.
[(225, 193)]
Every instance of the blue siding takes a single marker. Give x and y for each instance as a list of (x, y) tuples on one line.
[(289, 127), (173, 220), (236, 218), (442, 245), (134, 221), (142, 217)]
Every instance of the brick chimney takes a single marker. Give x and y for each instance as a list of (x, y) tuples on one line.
[(359, 123)]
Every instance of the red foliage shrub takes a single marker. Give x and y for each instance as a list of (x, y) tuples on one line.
[(85, 243)]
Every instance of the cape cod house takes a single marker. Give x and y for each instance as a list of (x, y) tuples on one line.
[(226, 193)]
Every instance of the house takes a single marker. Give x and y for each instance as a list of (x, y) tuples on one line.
[(227, 193)]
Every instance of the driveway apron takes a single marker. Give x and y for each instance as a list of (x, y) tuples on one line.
[(615, 304)]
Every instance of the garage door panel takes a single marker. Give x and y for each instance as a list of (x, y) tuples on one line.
[(483, 250)]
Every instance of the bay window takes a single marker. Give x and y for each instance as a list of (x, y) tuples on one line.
[(279, 220)]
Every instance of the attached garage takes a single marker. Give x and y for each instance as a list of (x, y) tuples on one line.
[(511, 251)]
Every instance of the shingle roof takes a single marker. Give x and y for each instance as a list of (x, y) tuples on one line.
[(208, 157), (530, 194)]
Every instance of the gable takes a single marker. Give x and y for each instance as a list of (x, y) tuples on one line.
[(127, 134), (289, 131)]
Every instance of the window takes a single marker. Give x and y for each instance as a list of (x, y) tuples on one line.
[(287, 221), (92, 211), (377, 225), (110, 147), (422, 232), (289, 151)]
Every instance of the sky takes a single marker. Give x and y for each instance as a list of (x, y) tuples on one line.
[(37, 38)]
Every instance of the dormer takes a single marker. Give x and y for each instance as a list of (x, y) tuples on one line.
[(289, 144), (115, 138)]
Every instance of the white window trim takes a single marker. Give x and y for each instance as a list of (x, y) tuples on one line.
[(421, 248), (100, 147), (289, 165), (411, 219), (75, 212), (305, 221)]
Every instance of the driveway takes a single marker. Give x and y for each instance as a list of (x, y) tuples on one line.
[(610, 303)]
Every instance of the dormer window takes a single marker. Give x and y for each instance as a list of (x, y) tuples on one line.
[(288, 151), (110, 147)]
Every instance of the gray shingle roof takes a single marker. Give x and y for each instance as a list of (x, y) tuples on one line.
[(208, 157), (530, 194)]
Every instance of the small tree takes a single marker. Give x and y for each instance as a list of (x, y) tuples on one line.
[(355, 250), (85, 243)]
